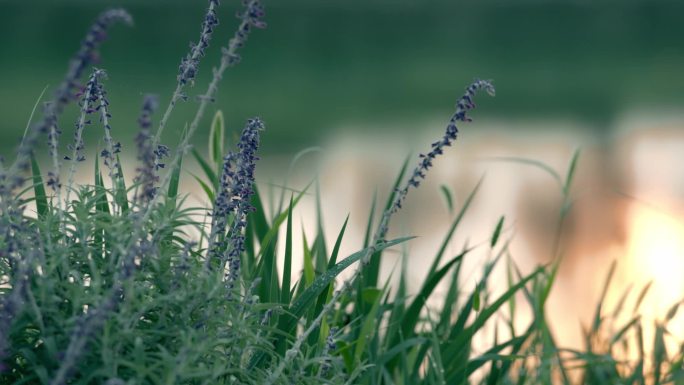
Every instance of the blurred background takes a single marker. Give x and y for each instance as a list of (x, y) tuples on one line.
[(370, 81)]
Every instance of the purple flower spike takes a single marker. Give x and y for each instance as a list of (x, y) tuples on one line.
[(147, 156), (463, 105)]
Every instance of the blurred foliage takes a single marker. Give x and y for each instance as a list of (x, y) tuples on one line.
[(324, 64)]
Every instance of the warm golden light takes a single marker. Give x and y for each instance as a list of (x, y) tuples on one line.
[(656, 252)]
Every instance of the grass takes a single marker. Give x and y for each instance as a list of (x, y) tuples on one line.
[(108, 285)]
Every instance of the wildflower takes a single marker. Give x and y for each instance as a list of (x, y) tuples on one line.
[(190, 63), (235, 196), (53, 144), (147, 156), (328, 348), (463, 105), (90, 96), (251, 16), (187, 70), (67, 90), (111, 148)]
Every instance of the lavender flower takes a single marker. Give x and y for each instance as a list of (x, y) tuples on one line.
[(88, 54), (463, 105), (53, 147), (65, 93), (251, 17), (190, 63), (223, 205), (147, 156), (87, 101), (235, 196), (189, 66), (329, 347), (111, 148)]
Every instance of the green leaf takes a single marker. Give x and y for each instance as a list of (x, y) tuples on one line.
[(531, 162), (216, 138), (275, 227), (497, 232), (448, 197), (372, 270), (322, 298), (371, 295), (476, 298), (571, 172), (308, 262), (461, 337), (369, 325), (102, 203), (309, 295), (413, 312), (206, 168), (287, 265), (452, 229), (175, 179), (38, 188), (120, 197), (205, 187)]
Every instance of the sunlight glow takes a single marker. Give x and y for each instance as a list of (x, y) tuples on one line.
[(656, 250)]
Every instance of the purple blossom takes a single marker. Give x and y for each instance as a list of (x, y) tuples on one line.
[(66, 92), (109, 153), (234, 196), (463, 105), (242, 190), (148, 157), (88, 99), (190, 63), (328, 348), (53, 146), (251, 16)]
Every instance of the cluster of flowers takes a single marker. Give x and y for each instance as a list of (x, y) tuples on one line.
[(234, 197)]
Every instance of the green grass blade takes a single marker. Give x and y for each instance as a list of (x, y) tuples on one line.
[(205, 187), (530, 162), (206, 168), (448, 197), (120, 188), (453, 227), (497, 232), (371, 217), (38, 188), (217, 134), (175, 179), (306, 299), (272, 231), (571, 172), (372, 270), (102, 203), (309, 271), (287, 265), (413, 312)]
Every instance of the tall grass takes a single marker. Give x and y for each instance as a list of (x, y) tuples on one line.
[(103, 283)]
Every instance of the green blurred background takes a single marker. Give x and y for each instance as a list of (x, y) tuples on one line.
[(325, 64)]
